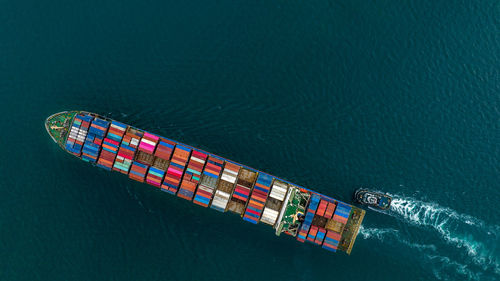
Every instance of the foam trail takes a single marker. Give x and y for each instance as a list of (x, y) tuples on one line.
[(443, 264), (384, 234), (442, 267), (463, 231)]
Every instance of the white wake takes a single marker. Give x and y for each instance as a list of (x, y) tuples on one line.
[(464, 232)]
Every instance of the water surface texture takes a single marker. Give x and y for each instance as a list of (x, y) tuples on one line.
[(400, 96)]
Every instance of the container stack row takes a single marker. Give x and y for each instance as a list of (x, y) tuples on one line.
[(176, 169), (208, 182), (322, 208), (94, 139), (342, 213), (304, 229), (146, 149), (127, 150), (244, 185), (331, 241), (138, 171), (324, 222), (143, 157), (78, 133), (73, 135), (320, 236), (192, 175), (155, 176), (160, 162), (313, 231), (274, 202), (317, 233), (330, 209), (225, 187), (164, 150), (258, 198), (111, 144)]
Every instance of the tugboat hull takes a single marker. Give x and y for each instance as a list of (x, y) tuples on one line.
[(373, 199)]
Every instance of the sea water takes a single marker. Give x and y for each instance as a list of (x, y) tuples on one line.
[(398, 96)]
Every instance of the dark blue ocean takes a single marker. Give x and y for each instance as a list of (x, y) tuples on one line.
[(399, 96)]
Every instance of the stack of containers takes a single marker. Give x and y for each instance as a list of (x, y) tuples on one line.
[(192, 174), (78, 134), (140, 167), (317, 233), (330, 209), (162, 156), (331, 241), (274, 203), (73, 134), (127, 149), (176, 169), (195, 166), (93, 143), (111, 144), (148, 144), (258, 198), (309, 217), (322, 208), (165, 149), (311, 236), (342, 213), (155, 176), (186, 190), (244, 184), (225, 187), (208, 181), (138, 171), (320, 236)]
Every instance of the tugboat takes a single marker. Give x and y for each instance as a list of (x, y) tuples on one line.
[(373, 199)]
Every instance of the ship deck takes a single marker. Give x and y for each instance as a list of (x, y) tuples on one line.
[(58, 124)]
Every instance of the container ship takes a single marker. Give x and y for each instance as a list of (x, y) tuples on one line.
[(208, 180)]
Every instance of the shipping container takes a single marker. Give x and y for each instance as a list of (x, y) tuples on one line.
[(92, 146), (331, 241), (244, 185), (138, 171), (342, 213), (186, 190), (258, 198), (147, 146), (160, 162), (322, 208), (176, 169), (110, 145), (311, 236), (311, 210), (274, 203), (78, 134), (330, 209), (225, 186), (192, 174), (126, 153), (163, 153), (209, 179), (320, 236)]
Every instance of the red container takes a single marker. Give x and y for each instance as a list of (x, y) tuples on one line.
[(330, 209), (321, 208)]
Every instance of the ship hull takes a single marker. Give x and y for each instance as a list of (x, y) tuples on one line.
[(208, 180), (372, 199)]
